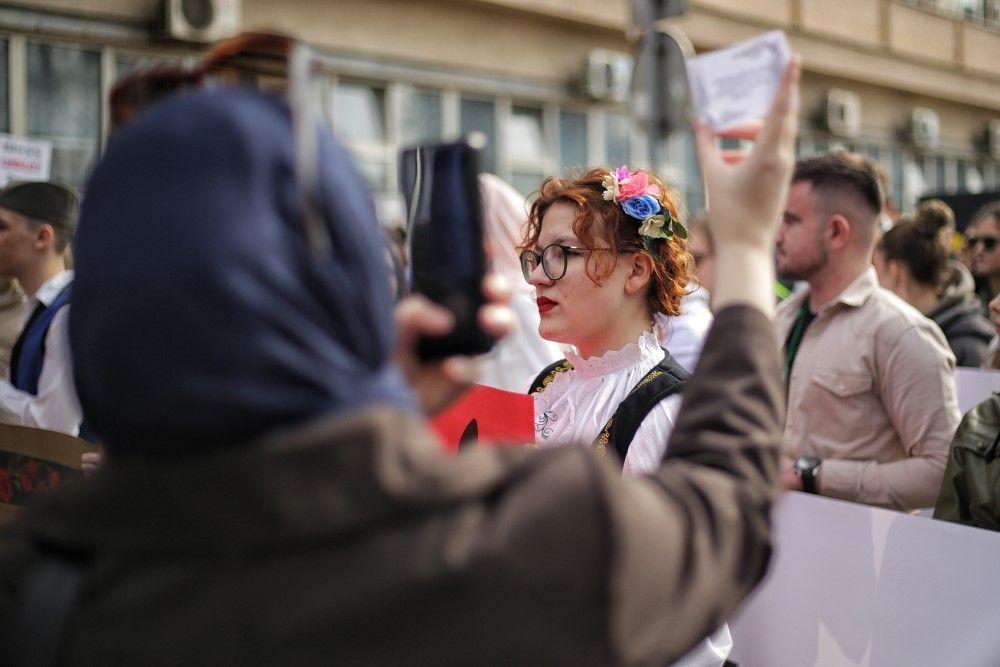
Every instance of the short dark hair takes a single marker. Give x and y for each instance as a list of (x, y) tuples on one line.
[(836, 173), (62, 235)]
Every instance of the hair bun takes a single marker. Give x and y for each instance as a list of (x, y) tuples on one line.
[(934, 215)]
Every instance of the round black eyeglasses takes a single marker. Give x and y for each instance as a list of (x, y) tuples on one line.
[(554, 259)]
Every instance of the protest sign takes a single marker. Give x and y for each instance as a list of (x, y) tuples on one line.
[(486, 415), (734, 87), (24, 159), (856, 585)]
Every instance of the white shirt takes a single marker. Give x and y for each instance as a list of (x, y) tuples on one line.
[(686, 332), (577, 404), (55, 408)]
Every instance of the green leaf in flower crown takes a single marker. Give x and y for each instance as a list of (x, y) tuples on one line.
[(679, 229)]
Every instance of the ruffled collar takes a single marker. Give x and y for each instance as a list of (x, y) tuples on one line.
[(646, 349)]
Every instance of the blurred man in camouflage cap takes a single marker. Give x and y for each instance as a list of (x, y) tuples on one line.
[(37, 222)]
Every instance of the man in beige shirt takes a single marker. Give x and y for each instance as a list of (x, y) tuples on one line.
[(871, 398)]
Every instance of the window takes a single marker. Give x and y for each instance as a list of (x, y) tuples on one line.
[(4, 89), (991, 12), (359, 113), (64, 106), (359, 119), (420, 117), (572, 140), (128, 63), (970, 10), (617, 141), (526, 148), (897, 178), (941, 176), (479, 117)]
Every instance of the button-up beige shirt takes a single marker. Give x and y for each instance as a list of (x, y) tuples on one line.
[(871, 393)]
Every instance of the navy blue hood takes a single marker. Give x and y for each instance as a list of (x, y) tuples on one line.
[(200, 318)]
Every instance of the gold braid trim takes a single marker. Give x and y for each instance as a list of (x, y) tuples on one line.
[(600, 444), (561, 368)]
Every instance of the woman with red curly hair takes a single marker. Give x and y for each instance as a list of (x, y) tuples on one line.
[(607, 256)]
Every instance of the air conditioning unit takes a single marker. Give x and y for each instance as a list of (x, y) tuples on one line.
[(608, 75), (202, 20), (924, 128), (842, 113), (991, 139)]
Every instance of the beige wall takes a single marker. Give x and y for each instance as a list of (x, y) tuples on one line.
[(140, 11), (778, 12), (885, 112), (852, 20), (547, 40), (921, 34), (981, 50), (455, 34)]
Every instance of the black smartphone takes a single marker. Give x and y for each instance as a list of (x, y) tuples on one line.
[(440, 184)]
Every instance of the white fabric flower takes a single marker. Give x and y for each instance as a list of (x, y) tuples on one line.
[(652, 228), (610, 184)]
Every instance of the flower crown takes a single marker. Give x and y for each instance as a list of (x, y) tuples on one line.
[(640, 200)]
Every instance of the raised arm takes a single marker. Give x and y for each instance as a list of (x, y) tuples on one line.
[(692, 539)]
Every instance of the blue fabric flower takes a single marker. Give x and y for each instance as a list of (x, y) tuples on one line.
[(641, 207)]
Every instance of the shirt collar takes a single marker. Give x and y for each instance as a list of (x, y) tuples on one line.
[(50, 288), (853, 296), (857, 292)]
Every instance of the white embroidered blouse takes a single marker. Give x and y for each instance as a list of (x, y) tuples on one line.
[(577, 404)]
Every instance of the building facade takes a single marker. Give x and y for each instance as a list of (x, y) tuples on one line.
[(911, 83)]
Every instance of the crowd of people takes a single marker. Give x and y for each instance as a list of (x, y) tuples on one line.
[(269, 490)]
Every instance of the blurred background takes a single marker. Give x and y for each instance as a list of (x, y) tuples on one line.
[(913, 83)]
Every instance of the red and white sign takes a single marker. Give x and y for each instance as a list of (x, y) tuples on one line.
[(487, 416), (24, 159)]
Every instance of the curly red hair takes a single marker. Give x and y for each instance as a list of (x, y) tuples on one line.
[(601, 220)]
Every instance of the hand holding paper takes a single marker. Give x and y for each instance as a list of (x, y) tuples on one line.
[(734, 87)]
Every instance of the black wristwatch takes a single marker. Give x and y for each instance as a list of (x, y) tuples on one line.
[(807, 467)]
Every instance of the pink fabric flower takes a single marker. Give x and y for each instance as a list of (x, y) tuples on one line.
[(634, 186)]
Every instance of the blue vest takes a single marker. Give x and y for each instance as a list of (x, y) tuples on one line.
[(29, 350)]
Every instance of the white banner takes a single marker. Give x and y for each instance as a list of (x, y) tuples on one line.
[(855, 585), (974, 385), (24, 159)]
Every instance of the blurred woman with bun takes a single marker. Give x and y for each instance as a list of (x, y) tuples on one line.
[(912, 261)]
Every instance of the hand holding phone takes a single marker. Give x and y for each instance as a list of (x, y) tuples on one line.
[(440, 183)]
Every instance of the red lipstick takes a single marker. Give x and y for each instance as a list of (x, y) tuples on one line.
[(544, 304)]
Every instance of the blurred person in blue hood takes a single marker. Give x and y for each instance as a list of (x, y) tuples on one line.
[(272, 494)]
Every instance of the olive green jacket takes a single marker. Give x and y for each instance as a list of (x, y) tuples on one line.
[(354, 541), (970, 493)]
